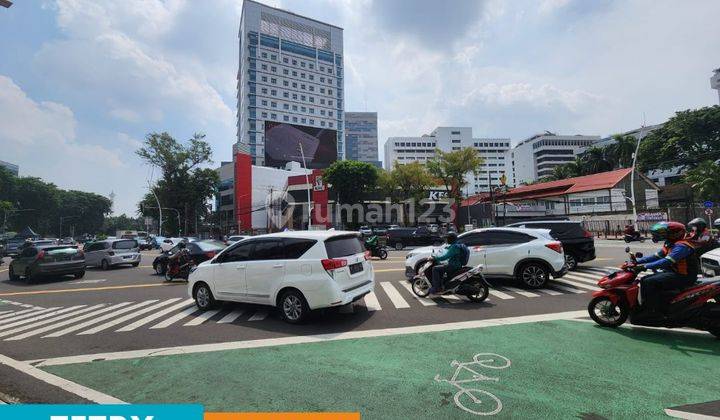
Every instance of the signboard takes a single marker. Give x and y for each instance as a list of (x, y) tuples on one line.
[(319, 185), (437, 195), (283, 143), (708, 204), (709, 212), (652, 217)]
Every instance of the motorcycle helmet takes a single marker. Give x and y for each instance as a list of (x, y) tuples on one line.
[(716, 223), (698, 223), (670, 231), (451, 237), (182, 245)]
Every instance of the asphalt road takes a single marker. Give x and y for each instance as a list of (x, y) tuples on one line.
[(132, 308)]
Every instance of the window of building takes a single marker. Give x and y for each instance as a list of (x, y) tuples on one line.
[(322, 112), (286, 83), (264, 114), (285, 60), (330, 124), (311, 121), (294, 62), (294, 85), (286, 72), (330, 102), (322, 79), (302, 75), (286, 95), (273, 104), (294, 73), (311, 99), (264, 55), (330, 113), (311, 77), (294, 119), (302, 64), (303, 109), (322, 90), (302, 86), (273, 57), (311, 88), (264, 90), (302, 97), (329, 91), (264, 66), (303, 120), (273, 116), (286, 118), (264, 102), (311, 66), (264, 79), (295, 96), (312, 110), (273, 92), (322, 123), (322, 101), (273, 80), (294, 107)]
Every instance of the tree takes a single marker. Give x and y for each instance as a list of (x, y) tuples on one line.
[(352, 181), (406, 182), (595, 160), (685, 140), (123, 222), (705, 180), (184, 186), (621, 152), (450, 168)]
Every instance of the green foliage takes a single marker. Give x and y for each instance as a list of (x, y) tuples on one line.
[(705, 180), (408, 181), (686, 140), (351, 180), (184, 186), (123, 222), (450, 168), (620, 154)]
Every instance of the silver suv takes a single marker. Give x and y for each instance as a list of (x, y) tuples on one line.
[(112, 252)]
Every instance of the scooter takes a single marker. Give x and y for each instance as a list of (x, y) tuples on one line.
[(697, 306), (468, 282), (179, 268), (635, 236), (377, 251)]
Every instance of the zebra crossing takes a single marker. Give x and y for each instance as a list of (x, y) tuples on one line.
[(159, 314)]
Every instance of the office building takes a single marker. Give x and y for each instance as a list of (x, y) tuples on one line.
[(537, 156), (361, 137), (290, 88), (402, 150), (14, 169), (715, 82)]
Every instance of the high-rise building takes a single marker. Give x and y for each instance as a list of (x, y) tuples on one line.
[(537, 156), (290, 87), (715, 81), (13, 168), (402, 150), (361, 137)]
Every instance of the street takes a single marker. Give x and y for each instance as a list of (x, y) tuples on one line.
[(67, 327)]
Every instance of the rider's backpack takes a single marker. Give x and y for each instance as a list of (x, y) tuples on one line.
[(465, 254)]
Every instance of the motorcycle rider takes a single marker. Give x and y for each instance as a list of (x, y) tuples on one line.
[(631, 232), (371, 244), (455, 255), (181, 254), (677, 257), (700, 236)]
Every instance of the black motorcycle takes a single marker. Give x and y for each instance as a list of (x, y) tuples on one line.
[(377, 251), (635, 236), (469, 281)]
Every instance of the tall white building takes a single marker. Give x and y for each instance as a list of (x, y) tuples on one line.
[(290, 71), (537, 156), (715, 81), (402, 150), (361, 137)]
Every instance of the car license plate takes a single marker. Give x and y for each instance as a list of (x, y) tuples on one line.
[(356, 268)]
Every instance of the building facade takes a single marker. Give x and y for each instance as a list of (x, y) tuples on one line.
[(13, 168), (291, 73), (403, 150), (537, 156), (361, 137), (715, 82)]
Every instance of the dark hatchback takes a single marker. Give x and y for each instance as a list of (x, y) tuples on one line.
[(38, 261), (399, 238), (200, 251), (578, 243)]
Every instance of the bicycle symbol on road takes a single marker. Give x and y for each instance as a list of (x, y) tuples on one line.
[(470, 400)]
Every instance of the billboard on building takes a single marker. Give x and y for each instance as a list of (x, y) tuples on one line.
[(283, 141)]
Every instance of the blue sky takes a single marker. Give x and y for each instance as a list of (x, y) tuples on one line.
[(83, 81)]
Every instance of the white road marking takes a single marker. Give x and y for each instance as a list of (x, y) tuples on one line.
[(175, 318), (603, 271), (452, 297), (550, 292), (36, 317), (201, 318), (589, 276), (89, 281), (148, 319), (423, 301), (4, 312), (69, 386), (100, 319), (577, 284), (371, 302), (583, 280), (128, 317), (51, 320), (5, 318), (521, 292), (302, 339), (259, 316), (500, 295), (395, 296), (231, 317), (66, 322), (565, 288)]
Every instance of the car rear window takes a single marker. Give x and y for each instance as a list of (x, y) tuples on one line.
[(343, 246), (208, 246), (61, 250), (125, 244)]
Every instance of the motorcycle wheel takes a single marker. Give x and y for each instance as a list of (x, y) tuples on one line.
[(607, 314), (383, 254), (628, 240), (482, 294), (168, 276), (421, 286)]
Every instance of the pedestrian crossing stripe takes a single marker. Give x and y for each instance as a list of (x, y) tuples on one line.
[(154, 314)]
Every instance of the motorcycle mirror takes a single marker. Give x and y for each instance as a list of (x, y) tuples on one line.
[(638, 255), (627, 249)]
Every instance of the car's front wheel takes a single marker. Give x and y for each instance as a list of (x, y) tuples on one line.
[(204, 298), (534, 275), (79, 274), (105, 265), (293, 307)]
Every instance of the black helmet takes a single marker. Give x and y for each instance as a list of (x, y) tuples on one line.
[(182, 244), (451, 237), (716, 223), (698, 223)]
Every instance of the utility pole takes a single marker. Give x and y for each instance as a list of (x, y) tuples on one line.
[(158, 207), (641, 134), (492, 201), (307, 181), (61, 221)]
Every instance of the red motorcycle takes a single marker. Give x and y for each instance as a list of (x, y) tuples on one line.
[(697, 306), (179, 266)]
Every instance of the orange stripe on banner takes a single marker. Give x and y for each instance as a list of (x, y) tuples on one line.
[(282, 416)]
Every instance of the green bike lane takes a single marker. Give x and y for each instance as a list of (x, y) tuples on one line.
[(559, 369)]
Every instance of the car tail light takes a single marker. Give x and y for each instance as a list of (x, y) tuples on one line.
[(367, 255), (210, 254), (40, 255), (331, 264), (555, 246), (587, 233)]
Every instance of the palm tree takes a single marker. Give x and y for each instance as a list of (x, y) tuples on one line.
[(622, 151), (595, 160), (705, 180)]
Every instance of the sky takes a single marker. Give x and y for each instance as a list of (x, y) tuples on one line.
[(82, 82)]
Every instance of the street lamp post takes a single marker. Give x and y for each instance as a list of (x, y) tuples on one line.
[(307, 181), (152, 190), (632, 175)]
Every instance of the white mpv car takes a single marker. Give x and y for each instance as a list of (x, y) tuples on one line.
[(294, 271), (529, 255)]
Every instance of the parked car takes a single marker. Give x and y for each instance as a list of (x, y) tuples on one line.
[(531, 256), (144, 244), (399, 238), (168, 243), (710, 263), (112, 253), (37, 261), (379, 230), (295, 271), (578, 243), (366, 230), (199, 251)]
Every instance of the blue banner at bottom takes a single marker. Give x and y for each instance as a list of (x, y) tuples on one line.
[(101, 412)]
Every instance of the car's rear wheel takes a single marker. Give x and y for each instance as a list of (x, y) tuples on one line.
[(105, 265), (534, 275), (204, 298), (12, 275), (79, 274), (399, 246), (570, 261), (293, 307)]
